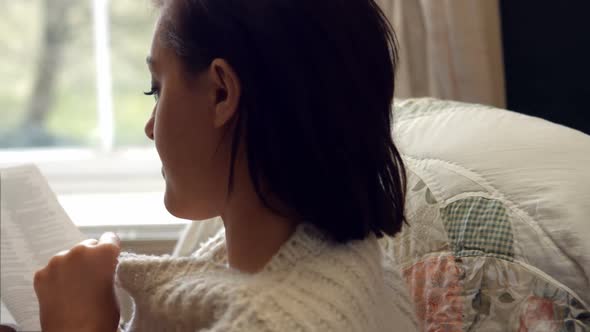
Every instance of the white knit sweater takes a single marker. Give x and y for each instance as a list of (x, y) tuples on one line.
[(311, 284)]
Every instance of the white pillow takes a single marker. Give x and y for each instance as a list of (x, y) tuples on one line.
[(472, 168)]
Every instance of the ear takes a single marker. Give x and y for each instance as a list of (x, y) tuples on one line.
[(227, 91)]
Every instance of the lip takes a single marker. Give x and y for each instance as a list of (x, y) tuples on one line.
[(163, 174)]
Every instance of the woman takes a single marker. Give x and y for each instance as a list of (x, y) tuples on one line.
[(274, 115)]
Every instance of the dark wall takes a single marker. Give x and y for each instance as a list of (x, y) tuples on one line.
[(547, 59)]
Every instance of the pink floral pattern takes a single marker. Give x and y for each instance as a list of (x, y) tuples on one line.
[(538, 316), (436, 289)]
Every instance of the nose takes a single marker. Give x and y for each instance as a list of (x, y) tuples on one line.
[(149, 127)]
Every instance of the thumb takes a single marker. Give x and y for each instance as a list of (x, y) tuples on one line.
[(110, 237)]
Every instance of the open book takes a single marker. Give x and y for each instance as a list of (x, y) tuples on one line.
[(34, 227)]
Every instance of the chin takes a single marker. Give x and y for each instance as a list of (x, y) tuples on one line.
[(173, 206), (186, 210)]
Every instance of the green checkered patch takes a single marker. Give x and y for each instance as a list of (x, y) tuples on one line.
[(479, 226)]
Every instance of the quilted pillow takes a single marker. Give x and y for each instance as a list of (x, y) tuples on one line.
[(499, 218)]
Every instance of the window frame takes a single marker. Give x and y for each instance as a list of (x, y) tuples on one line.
[(102, 168)]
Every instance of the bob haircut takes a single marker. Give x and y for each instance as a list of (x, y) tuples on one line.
[(315, 111)]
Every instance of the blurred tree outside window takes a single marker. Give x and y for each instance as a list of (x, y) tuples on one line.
[(48, 73)]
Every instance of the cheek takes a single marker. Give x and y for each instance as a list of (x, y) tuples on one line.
[(180, 138), (192, 159)]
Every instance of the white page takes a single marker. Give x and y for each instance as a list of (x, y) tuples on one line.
[(6, 318), (34, 227)]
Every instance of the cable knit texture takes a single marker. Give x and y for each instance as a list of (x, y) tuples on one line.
[(310, 284)]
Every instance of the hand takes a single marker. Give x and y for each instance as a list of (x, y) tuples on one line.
[(75, 290)]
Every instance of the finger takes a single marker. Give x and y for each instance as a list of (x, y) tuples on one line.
[(62, 253), (38, 279), (89, 242), (111, 238)]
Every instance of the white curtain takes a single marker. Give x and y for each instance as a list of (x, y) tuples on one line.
[(450, 49)]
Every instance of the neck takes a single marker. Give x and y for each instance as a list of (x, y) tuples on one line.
[(251, 244), (253, 233)]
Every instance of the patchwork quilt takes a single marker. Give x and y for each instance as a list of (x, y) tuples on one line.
[(498, 209)]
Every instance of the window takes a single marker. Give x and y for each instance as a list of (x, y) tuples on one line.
[(72, 75)]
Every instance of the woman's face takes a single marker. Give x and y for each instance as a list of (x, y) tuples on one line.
[(189, 135)]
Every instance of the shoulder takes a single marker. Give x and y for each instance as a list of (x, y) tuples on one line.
[(338, 288)]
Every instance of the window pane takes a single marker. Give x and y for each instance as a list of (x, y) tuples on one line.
[(131, 25), (47, 74)]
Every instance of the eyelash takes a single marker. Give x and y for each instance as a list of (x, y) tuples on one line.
[(154, 91)]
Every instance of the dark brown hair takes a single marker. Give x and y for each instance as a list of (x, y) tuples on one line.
[(315, 112)]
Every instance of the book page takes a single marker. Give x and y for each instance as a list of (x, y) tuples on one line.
[(34, 227), (6, 318)]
